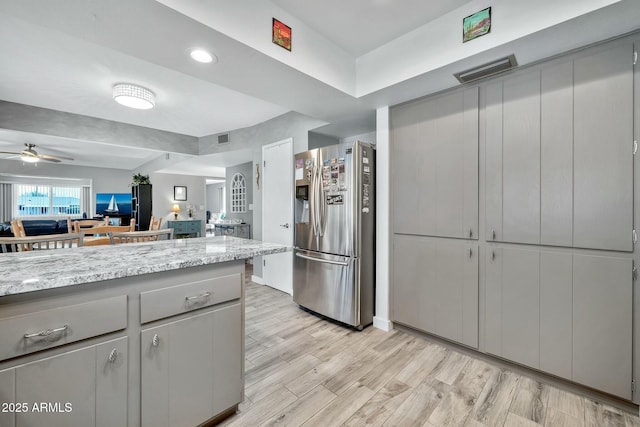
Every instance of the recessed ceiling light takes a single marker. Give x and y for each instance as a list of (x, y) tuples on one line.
[(203, 56), (133, 96)]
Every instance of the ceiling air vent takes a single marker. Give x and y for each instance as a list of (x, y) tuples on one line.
[(223, 139), (486, 70)]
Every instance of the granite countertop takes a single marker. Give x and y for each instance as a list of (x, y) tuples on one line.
[(38, 270)]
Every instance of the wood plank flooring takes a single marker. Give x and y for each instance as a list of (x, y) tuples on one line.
[(302, 370)]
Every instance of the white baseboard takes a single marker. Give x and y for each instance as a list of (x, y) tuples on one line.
[(257, 279), (384, 324)]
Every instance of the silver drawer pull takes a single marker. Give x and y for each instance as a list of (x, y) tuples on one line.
[(113, 356), (204, 296), (47, 333), (155, 341)]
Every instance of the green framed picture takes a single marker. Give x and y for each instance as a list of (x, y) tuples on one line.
[(476, 25)]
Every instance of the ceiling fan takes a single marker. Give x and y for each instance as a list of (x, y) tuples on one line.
[(31, 156)]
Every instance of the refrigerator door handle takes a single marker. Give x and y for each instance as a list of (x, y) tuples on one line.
[(326, 261), (312, 203)]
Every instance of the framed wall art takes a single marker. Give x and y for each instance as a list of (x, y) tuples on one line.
[(281, 34), (179, 193), (476, 25)]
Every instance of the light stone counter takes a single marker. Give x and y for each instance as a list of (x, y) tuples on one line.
[(39, 270)]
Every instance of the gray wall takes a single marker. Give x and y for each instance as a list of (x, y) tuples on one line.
[(317, 140), (163, 196), (244, 169), (213, 204)]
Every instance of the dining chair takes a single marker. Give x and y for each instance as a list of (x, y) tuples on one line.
[(17, 228), (34, 243), (141, 236), (155, 223), (99, 235), (82, 224)]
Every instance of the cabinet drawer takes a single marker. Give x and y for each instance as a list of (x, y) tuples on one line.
[(161, 303), (19, 335)]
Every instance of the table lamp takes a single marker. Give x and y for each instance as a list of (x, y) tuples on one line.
[(175, 209)]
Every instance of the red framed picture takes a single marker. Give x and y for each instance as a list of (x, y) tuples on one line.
[(281, 34)]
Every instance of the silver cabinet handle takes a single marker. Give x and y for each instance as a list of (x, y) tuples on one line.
[(113, 356), (284, 225), (493, 234), (205, 296), (470, 233), (326, 261), (47, 332), (470, 252), (155, 341), (493, 255)]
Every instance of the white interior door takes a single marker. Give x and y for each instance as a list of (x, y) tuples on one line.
[(277, 212)]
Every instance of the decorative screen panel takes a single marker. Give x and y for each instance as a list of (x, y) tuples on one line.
[(238, 194)]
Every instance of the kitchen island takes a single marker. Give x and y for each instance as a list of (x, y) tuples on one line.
[(148, 334)]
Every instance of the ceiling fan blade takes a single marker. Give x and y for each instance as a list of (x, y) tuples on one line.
[(48, 158), (10, 152)]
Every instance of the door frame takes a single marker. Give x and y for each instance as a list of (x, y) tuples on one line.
[(289, 141)]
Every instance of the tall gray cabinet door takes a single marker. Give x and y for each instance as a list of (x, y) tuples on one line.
[(426, 184), (493, 161), (556, 302), (602, 322), (470, 164), (493, 300), (111, 383), (7, 395), (470, 295), (521, 159), (191, 370), (456, 291), (427, 284), (407, 271), (556, 155), (603, 163), (228, 354), (447, 139), (404, 169), (56, 379), (154, 368), (520, 306)]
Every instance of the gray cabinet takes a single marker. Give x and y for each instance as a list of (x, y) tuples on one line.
[(82, 400), (559, 164), (7, 395), (563, 313), (436, 287), (435, 166), (602, 323), (192, 368), (603, 164)]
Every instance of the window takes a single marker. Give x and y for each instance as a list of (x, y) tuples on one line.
[(46, 200), (238, 194)]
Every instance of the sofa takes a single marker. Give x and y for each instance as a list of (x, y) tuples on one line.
[(36, 227)]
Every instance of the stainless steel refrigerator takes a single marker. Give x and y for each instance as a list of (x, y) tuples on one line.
[(334, 253)]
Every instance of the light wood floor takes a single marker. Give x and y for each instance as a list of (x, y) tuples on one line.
[(302, 370)]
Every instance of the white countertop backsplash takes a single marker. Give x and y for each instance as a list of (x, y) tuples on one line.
[(47, 269)]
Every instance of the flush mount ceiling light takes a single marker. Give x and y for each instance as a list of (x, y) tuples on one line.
[(203, 56), (133, 96)]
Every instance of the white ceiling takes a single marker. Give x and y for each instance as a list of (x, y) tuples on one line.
[(359, 26), (66, 55)]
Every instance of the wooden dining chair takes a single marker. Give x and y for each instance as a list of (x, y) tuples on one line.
[(81, 224), (99, 235), (34, 243), (141, 236), (155, 223), (17, 228)]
